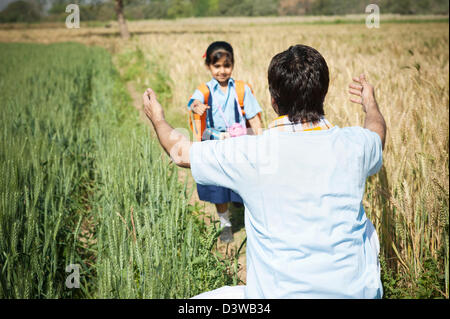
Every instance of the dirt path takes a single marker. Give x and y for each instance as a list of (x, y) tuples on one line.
[(209, 209)]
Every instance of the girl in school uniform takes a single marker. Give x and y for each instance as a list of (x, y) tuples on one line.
[(222, 108)]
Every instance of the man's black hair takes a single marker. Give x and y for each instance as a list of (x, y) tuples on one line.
[(298, 82), (217, 50)]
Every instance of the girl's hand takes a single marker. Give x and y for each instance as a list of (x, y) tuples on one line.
[(199, 108), (152, 108)]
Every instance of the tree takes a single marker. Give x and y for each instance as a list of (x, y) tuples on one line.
[(180, 8), (264, 7), (294, 7), (155, 9), (121, 19), (201, 7), (58, 6), (213, 7), (20, 11)]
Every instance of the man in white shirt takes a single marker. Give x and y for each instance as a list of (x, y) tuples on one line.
[(302, 182)]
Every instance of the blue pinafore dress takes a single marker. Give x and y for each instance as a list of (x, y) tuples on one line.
[(211, 193)]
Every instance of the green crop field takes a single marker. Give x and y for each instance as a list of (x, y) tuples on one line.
[(81, 182)]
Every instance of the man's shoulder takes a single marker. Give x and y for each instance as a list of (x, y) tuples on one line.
[(359, 132), (360, 138), (352, 129), (355, 132)]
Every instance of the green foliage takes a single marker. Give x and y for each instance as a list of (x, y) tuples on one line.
[(264, 8), (171, 9), (248, 7), (180, 9), (20, 11), (47, 162), (151, 72), (58, 7), (399, 285), (138, 69), (103, 12), (201, 7), (414, 7), (155, 9), (336, 7)]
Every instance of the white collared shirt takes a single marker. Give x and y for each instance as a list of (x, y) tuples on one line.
[(227, 102), (307, 232)]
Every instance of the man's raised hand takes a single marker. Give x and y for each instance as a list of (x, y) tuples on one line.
[(364, 92), (365, 96), (152, 108)]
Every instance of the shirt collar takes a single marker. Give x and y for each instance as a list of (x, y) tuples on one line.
[(214, 83), (283, 124)]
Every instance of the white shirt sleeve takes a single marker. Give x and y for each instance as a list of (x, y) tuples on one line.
[(373, 152)]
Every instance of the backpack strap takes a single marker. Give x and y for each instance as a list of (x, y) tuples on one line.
[(240, 91), (205, 91), (197, 122)]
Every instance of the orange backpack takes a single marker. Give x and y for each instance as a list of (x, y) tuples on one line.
[(198, 123)]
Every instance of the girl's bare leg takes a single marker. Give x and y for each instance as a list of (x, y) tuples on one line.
[(222, 208)]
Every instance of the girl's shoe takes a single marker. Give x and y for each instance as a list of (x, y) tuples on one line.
[(227, 235)]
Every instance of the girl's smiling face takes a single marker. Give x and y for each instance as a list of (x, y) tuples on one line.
[(221, 70)]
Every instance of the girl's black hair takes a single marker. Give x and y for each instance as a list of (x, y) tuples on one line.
[(217, 50)]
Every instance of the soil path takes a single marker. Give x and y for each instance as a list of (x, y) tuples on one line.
[(208, 209)]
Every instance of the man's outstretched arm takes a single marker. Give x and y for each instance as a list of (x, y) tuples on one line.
[(176, 145), (374, 120)]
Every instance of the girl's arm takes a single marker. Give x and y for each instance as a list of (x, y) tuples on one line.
[(251, 106), (256, 125)]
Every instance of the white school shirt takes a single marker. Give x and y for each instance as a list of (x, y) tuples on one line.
[(227, 103), (307, 232)]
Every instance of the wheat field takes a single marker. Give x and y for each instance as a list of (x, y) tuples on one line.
[(408, 64)]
